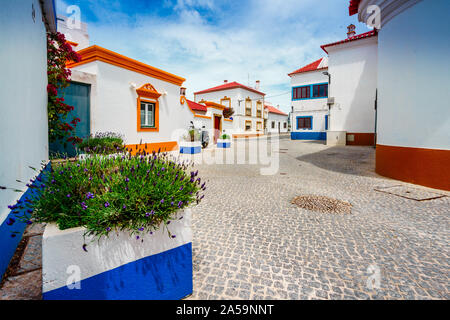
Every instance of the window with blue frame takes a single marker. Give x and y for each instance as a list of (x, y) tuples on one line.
[(312, 91), (320, 90), (304, 123), (301, 92)]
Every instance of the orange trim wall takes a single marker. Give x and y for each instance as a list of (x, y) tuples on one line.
[(246, 135), (201, 116), (150, 147), (361, 139), (143, 129), (427, 167), (96, 53)]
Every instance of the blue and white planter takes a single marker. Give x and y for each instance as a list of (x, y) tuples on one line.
[(118, 267), (223, 143), (188, 147)]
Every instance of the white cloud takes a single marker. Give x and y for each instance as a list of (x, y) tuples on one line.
[(208, 41)]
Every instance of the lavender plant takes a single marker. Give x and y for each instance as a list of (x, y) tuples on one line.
[(137, 193), (102, 143)]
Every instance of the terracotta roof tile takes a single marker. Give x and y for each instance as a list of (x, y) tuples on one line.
[(365, 35), (320, 64), (227, 86)]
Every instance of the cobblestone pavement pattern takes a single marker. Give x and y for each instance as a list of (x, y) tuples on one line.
[(251, 242)]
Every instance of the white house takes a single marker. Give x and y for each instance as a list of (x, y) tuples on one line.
[(23, 103), (352, 67), (209, 116), (413, 113), (309, 114), (247, 103), (277, 120), (145, 104)]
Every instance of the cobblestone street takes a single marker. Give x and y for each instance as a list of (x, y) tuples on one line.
[(250, 242)]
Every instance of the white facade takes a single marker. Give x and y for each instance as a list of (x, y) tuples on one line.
[(23, 96), (276, 122), (74, 31), (114, 104), (413, 79), (238, 97), (353, 70), (316, 108), (23, 106), (413, 114)]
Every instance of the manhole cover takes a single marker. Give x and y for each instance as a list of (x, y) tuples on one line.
[(322, 204), (410, 193)]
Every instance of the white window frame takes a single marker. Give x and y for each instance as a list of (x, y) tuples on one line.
[(146, 111)]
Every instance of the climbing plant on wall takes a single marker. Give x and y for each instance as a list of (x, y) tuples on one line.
[(58, 53)]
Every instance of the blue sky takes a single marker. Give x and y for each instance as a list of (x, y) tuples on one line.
[(208, 41)]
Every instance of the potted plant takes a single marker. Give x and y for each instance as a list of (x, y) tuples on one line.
[(190, 143), (224, 141), (117, 228)]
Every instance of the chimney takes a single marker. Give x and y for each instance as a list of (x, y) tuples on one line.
[(257, 84), (225, 81), (351, 31)]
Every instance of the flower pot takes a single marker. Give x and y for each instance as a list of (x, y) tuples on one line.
[(223, 143), (188, 147), (119, 266)]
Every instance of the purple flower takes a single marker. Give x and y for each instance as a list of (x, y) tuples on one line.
[(171, 203), (83, 205), (89, 195), (68, 196), (137, 237), (124, 207), (141, 229), (126, 179), (162, 169), (10, 221), (106, 204), (180, 204), (108, 229), (181, 188), (162, 200)]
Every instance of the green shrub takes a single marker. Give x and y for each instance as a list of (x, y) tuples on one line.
[(135, 193), (102, 143), (225, 136)]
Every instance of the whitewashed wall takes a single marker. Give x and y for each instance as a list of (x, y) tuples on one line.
[(318, 124), (115, 107), (277, 118), (23, 96), (414, 95), (239, 117), (308, 78), (353, 69)]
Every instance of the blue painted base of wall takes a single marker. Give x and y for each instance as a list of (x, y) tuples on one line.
[(223, 145), (163, 276), (190, 150), (9, 244), (308, 136)]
